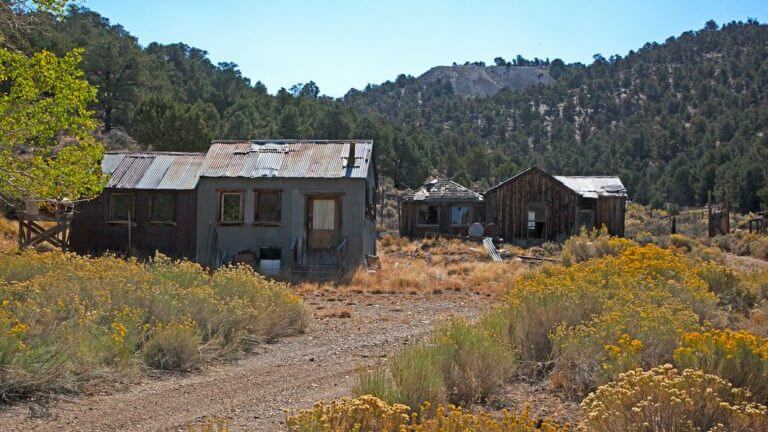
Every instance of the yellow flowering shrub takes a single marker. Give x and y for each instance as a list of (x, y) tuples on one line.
[(570, 314), (663, 399), (592, 244), (63, 316), (738, 356), (369, 414)]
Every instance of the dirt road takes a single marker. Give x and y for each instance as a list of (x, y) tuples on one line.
[(293, 373)]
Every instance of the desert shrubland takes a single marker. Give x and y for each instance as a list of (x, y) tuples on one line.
[(596, 325), (368, 413), (664, 399), (737, 356), (63, 317), (461, 363)]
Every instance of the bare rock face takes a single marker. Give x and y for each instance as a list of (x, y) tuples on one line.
[(474, 80)]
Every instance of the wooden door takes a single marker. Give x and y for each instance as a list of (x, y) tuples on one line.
[(323, 221)]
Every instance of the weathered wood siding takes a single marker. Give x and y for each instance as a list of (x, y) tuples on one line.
[(93, 234), (507, 206), (611, 213), (409, 218)]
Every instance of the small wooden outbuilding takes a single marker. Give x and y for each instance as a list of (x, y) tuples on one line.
[(534, 206), (148, 205), (440, 207)]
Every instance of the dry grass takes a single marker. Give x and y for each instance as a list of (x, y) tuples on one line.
[(9, 232), (424, 266)]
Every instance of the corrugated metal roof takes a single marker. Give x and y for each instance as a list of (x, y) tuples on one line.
[(152, 170), (287, 159), (594, 186), (442, 190)]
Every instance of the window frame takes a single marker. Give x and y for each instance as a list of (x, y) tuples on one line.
[(220, 211), (469, 214), (152, 198), (257, 205), (437, 222), (110, 206), (530, 232)]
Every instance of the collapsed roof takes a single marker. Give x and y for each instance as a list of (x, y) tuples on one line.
[(442, 190)]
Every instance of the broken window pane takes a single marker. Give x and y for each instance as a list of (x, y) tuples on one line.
[(428, 215), (268, 206), (324, 214), (121, 207), (537, 220), (231, 203), (163, 205), (460, 215)]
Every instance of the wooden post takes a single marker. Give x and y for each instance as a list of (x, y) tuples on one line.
[(129, 233)]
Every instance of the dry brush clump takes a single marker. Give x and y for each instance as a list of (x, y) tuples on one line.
[(462, 363), (65, 318), (663, 399), (370, 414)]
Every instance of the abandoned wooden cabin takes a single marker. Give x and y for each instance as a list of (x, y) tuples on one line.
[(534, 206), (307, 206), (440, 207), (149, 204), (282, 205)]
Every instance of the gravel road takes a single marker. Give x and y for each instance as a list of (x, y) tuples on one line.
[(252, 393)]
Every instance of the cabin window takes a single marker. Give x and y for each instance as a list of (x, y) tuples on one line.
[(122, 207), (537, 220), (428, 215), (231, 207), (163, 207), (268, 207), (460, 215)]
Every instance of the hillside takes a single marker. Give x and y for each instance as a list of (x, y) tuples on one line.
[(476, 80), (674, 120)]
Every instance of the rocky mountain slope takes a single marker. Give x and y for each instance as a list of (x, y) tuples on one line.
[(476, 80)]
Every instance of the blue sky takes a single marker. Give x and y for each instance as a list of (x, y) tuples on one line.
[(344, 44)]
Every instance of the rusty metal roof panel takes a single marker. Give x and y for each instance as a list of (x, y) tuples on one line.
[(183, 173), (155, 172), (152, 170), (287, 159), (130, 171)]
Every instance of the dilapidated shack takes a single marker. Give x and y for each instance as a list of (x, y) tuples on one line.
[(534, 206), (440, 207), (149, 204), (305, 206)]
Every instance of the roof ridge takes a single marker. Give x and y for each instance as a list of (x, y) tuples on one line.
[(151, 152), (293, 141)]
